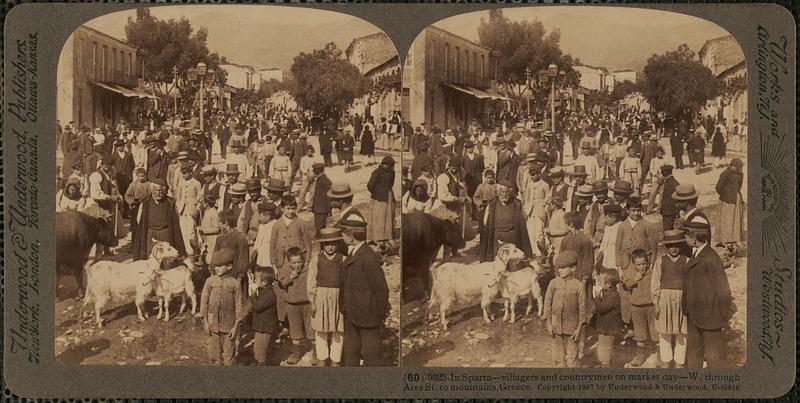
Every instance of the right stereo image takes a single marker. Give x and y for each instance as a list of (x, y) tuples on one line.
[(572, 191)]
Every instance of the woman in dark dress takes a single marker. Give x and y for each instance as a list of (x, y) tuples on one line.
[(718, 147), (381, 214), (368, 144)]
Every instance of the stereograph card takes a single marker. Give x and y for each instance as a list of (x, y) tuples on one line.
[(474, 201)]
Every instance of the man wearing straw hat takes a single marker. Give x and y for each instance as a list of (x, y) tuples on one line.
[(232, 175), (363, 296), (188, 202), (686, 197), (706, 298)]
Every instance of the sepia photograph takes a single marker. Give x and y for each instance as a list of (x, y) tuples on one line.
[(573, 191), (228, 189)]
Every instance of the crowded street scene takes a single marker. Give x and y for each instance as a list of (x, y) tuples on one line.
[(557, 213), (224, 198)]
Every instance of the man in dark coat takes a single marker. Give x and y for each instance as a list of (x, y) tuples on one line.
[(668, 209), (507, 163), (676, 139), (504, 222), (706, 299), (123, 165), (156, 219), (326, 145), (686, 197), (473, 167), (157, 160), (363, 296), (320, 204)]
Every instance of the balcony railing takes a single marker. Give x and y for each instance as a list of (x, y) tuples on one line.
[(124, 79), (465, 78)]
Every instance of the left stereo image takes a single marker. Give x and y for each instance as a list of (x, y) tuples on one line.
[(227, 189)]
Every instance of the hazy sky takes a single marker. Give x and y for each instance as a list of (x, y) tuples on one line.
[(612, 37), (261, 36)]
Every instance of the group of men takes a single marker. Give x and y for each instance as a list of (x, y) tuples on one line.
[(514, 185), (162, 181)]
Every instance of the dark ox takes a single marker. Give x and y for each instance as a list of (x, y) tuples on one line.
[(423, 235), (76, 233)]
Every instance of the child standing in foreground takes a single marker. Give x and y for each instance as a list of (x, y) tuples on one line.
[(221, 308), (324, 279), (637, 279), (264, 307), (609, 317), (298, 308), (667, 289), (565, 310)]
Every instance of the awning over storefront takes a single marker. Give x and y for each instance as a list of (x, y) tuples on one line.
[(480, 94), (124, 91)]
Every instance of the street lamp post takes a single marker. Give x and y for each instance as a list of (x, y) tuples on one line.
[(201, 72), (552, 70), (175, 88), (528, 83)]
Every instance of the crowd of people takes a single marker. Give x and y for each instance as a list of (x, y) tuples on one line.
[(267, 274), (617, 277)]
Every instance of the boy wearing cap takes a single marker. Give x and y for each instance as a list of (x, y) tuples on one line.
[(706, 299), (637, 280), (324, 280), (363, 296), (293, 278), (221, 308), (287, 232), (262, 304), (261, 252), (635, 233), (565, 310), (667, 290)]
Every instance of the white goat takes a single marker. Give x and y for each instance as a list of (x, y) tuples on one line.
[(124, 281), (469, 284), (172, 282)]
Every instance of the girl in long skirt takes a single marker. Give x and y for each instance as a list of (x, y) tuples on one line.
[(324, 273), (667, 292)]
